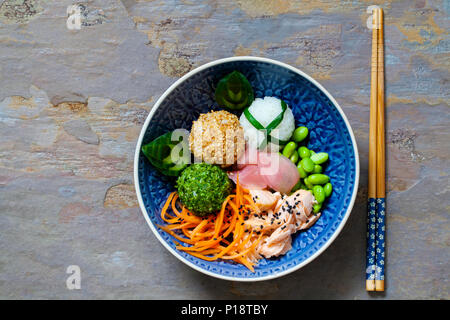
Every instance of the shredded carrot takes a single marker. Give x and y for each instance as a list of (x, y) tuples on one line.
[(199, 227), (252, 203), (208, 237)]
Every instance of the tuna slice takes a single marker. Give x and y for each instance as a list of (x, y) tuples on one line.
[(249, 177), (279, 172), (250, 156), (257, 170)]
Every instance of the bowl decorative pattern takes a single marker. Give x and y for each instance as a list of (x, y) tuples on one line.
[(311, 107)]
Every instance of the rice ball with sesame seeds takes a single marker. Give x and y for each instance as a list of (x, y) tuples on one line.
[(217, 137)]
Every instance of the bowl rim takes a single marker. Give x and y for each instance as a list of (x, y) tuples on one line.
[(147, 122)]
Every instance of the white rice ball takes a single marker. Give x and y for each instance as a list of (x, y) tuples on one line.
[(265, 111)]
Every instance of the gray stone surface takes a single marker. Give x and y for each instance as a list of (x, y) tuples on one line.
[(72, 103)]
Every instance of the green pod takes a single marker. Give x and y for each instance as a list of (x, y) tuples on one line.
[(318, 178), (307, 165), (317, 168), (303, 152), (300, 134), (308, 184), (319, 158), (301, 171), (317, 207), (294, 157), (289, 149), (319, 194), (328, 189)]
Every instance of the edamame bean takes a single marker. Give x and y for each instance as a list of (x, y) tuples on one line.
[(318, 178), (308, 184), (300, 134), (319, 194), (319, 158), (301, 171), (317, 168), (289, 149), (328, 188), (294, 157), (307, 164), (303, 152), (317, 207)]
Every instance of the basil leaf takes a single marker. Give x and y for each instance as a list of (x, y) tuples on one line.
[(234, 91)]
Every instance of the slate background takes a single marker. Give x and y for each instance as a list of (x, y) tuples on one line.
[(72, 103)]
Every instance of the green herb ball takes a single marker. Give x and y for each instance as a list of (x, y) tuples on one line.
[(203, 187)]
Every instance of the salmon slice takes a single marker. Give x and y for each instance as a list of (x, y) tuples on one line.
[(308, 223), (299, 205), (265, 200), (278, 243), (291, 214)]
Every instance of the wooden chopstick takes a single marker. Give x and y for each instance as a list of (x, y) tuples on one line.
[(372, 187), (381, 167), (376, 208)]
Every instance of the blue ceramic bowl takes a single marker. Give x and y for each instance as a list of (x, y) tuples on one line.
[(312, 106)]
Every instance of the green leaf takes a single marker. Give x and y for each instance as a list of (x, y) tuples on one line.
[(158, 153), (234, 91)]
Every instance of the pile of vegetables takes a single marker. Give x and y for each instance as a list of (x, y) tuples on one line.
[(222, 236), (210, 220), (310, 167)]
